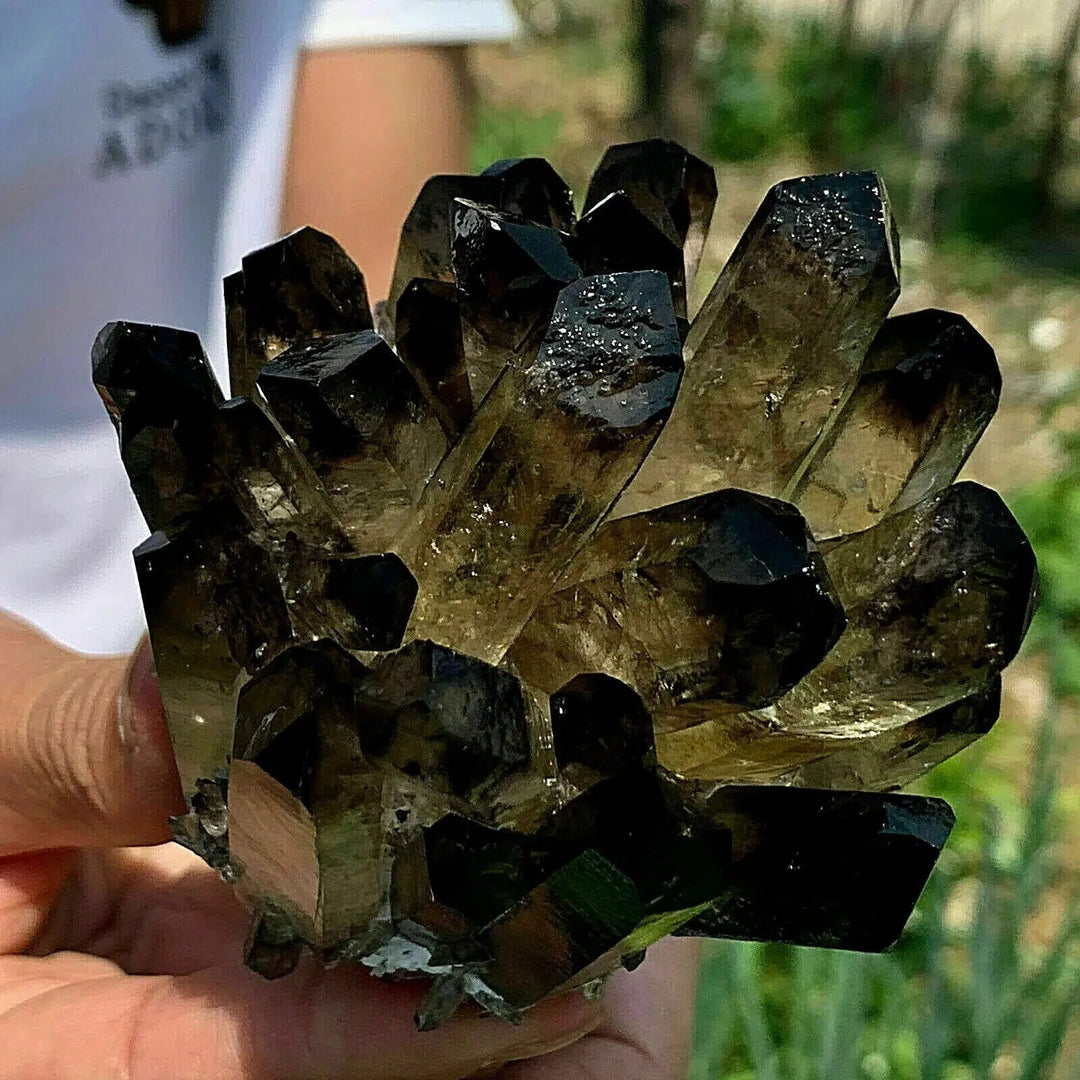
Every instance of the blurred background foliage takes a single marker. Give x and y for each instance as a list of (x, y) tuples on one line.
[(970, 110)]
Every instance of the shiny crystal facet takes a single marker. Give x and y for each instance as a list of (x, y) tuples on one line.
[(424, 250), (429, 343), (444, 718), (525, 187), (305, 807), (795, 851), (509, 272), (615, 235), (160, 392), (928, 388), (531, 188), (591, 404), (358, 415), (775, 349), (215, 611), (599, 724), (361, 601), (738, 617), (937, 600), (669, 185), (300, 287)]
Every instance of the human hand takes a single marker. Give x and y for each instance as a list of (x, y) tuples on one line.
[(118, 960), (645, 1025)]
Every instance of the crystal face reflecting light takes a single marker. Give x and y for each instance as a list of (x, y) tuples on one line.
[(543, 623)]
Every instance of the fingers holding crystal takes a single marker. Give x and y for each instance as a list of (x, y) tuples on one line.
[(86, 759)]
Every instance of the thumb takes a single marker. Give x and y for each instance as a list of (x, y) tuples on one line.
[(84, 749)]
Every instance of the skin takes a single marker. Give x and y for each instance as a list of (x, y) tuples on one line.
[(357, 181), (120, 954)]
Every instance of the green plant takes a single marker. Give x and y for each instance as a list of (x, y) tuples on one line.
[(837, 105), (1050, 515), (962, 140), (507, 133), (744, 109), (964, 996)]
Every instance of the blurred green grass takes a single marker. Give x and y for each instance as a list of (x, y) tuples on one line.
[(961, 137), (985, 982)]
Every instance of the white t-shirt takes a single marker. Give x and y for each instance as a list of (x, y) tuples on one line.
[(134, 174)]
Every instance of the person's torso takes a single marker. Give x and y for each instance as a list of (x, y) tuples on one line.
[(119, 127)]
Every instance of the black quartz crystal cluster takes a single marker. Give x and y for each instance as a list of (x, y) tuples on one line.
[(528, 620)]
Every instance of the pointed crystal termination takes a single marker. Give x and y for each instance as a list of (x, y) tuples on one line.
[(524, 187), (424, 249), (615, 235), (599, 724), (160, 392), (363, 423), (215, 613), (453, 722), (839, 870), (589, 409), (616, 713), (612, 872), (937, 599), (655, 536), (429, 344), (903, 754), (299, 287), (476, 873), (532, 189), (929, 387), (668, 184), (187, 451), (509, 272), (740, 617), (305, 807), (774, 352), (270, 481)]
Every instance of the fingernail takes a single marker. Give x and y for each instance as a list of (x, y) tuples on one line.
[(582, 1016), (144, 736), (140, 699)]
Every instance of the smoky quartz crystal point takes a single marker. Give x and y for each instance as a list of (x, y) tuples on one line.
[(555, 617)]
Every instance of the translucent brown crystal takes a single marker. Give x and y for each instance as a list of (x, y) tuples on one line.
[(779, 341), (545, 621)]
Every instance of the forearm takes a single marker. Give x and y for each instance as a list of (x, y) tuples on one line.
[(369, 126)]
